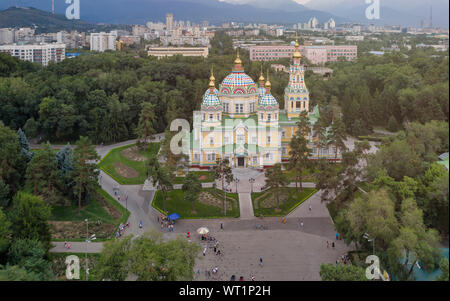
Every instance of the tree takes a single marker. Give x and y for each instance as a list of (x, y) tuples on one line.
[(299, 157), (392, 125), (29, 217), (16, 273), (321, 140), (4, 194), (64, 160), (414, 242), (437, 203), (5, 232), (12, 163), (85, 173), (161, 176), (113, 261), (172, 160), (30, 254), (147, 257), (145, 126), (341, 272), (443, 266), (223, 173), (374, 214), (24, 145), (42, 172), (338, 136), (191, 188), (276, 179)]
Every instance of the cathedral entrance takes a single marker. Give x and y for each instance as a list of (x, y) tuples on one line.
[(241, 161)]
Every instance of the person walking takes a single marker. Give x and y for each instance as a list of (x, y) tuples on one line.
[(332, 244), (140, 224), (327, 244), (68, 246), (261, 262), (221, 226), (65, 244), (204, 251), (310, 207), (301, 224), (337, 236)]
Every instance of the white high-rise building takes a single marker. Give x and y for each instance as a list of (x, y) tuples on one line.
[(313, 23), (103, 41), (42, 54), (330, 24), (169, 22)]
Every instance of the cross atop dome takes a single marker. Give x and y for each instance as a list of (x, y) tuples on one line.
[(238, 62), (212, 80), (261, 77), (297, 54)]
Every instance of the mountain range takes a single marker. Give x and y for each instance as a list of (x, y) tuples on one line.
[(395, 12), (214, 11)]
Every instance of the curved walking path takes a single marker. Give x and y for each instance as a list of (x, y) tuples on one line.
[(289, 251)]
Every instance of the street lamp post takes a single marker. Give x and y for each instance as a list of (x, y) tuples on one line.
[(87, 241), (236, 181), (251, 180)]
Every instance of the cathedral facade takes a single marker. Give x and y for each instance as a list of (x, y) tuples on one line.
[(241, 121)]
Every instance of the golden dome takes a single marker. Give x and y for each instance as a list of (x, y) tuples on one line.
[(297, 54), (238, 61), (212, 79), (261, 77), (268, 84)]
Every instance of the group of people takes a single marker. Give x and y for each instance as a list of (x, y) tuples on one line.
[(121, 229), (166, 223), (344, 259), (67, 245)]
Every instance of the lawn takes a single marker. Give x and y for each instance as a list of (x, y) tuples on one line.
[(265, 202), (123, 169), (176, 203), (103, 212), (308, 175), (202, 176)]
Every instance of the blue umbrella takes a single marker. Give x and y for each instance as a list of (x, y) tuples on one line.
[(174, 216)]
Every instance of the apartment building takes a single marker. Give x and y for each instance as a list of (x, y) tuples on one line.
[(42, 54)]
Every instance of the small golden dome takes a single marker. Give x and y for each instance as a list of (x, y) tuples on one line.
[(261, 77), (212, 79), (297, 54), (268, 84), (238, 61)]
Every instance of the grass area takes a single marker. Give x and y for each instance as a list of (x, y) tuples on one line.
[(115, 157), (103, 212), (203, 176), (176, 203), (289, 200), (93, 211), (308, 175)]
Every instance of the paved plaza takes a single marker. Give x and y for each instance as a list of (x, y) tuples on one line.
[(289, 251)]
